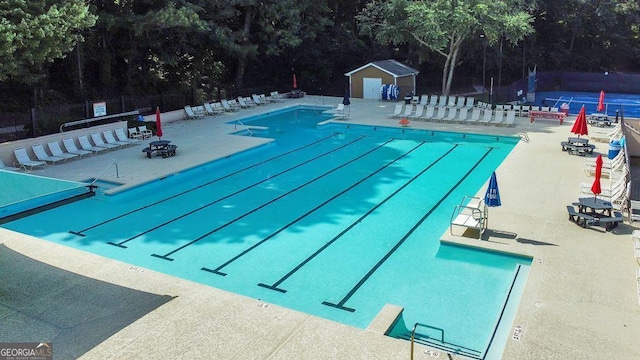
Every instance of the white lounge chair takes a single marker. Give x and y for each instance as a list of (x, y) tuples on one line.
[(429, 112), (451, 116), (121, 136), (244, 104), (442, 112), (424, 99), (25, 162), (469, 102), (498, 118), (257, 100), (462, 115), (134, 133), (146, 133), (191, 113), (42, 155), (227, 107), (264, 99), (86, 145), (73, 149), (460, 102), (408, 110), (397, 111), (7, 168), (276, 97), (418, 113), (486, 117), (442, 101), (433, 100), (56, 150), (475, 115), (110, 139), (510, 119), (452, 102), (97, 141)]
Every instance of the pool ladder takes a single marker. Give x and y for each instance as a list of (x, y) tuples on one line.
[(244, 126), (92, 185)]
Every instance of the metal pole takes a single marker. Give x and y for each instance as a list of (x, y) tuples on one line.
[(484, 64)]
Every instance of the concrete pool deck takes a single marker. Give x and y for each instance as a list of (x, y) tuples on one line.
[(580, 301)]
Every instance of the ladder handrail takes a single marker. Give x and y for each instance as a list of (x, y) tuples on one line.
[(91, 186), (245, 126), (413, 334)]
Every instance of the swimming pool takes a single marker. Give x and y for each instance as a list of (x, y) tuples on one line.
[(333, 220)]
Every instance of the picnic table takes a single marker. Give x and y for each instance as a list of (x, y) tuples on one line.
[(160, 147), (599, 119), (577, 146), (536, 114)]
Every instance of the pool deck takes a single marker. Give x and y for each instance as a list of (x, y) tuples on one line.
[(580, 301)]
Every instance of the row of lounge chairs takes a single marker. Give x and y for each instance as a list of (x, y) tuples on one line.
[(231, 105), (455, 115), (107, 140), (444, 101)]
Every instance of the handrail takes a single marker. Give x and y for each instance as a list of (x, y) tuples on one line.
[(413, 334), (524, 137), (245, 126), (84, 121), (91, 186)]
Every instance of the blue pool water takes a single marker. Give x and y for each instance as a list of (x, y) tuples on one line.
[(333, 220)]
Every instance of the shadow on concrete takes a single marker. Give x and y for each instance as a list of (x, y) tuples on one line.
[(42, 303)]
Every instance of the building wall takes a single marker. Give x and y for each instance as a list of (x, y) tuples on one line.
[(406, 85), (369, 72)]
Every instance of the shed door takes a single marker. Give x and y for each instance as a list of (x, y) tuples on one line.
[(371, 88)]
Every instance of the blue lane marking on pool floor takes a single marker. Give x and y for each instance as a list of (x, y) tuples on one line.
[(304, 215), (275, 285), (121, 243), (167, 255), (340, 304), (292, 151)]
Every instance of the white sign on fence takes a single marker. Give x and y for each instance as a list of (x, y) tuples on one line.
[(99, 109)]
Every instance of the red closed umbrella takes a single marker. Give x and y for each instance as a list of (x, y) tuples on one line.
[(158, 123), (595, 188), (580, 125), (295, 82), (601, 101)]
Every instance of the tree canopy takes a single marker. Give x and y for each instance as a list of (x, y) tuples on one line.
[(81, 50), (36, 32), (442, 26)]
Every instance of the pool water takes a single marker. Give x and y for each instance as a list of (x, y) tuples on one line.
[(333, 220)]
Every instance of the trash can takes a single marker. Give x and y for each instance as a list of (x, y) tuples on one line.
[(614, 148), (564, 108), (407, 99)]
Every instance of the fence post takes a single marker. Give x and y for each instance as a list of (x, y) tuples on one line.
[(34, 122)]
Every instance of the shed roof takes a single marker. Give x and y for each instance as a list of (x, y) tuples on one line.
[(389, 66)]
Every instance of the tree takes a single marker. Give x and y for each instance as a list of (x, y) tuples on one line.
[(36, 32), (248, 29), (442, 26)]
